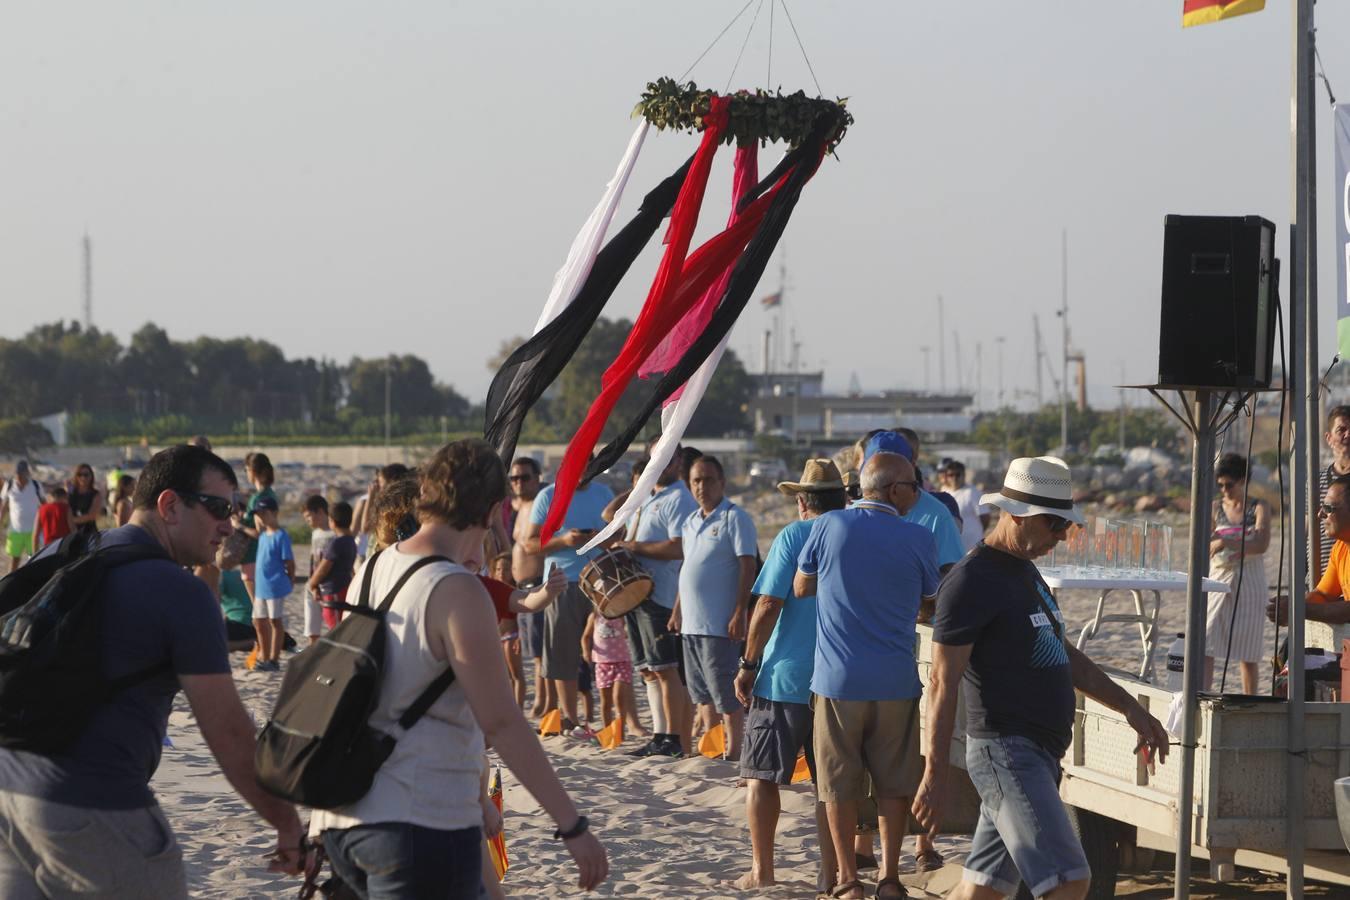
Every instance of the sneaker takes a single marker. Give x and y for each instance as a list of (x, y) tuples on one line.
[(671, 748), (581, 733), (651, 748), (268, 665)]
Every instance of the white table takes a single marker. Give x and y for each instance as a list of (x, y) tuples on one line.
[(1137, 582)]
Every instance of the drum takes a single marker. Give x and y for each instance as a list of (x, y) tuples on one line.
[(615, 583)]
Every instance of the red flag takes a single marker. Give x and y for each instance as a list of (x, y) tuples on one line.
[(772, 299), (1202, 12)]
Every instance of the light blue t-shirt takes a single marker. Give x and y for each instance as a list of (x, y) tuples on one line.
[(274, 548), (871, 569), (583, 513), (785, 667), (660, 519), (932, 515), (711, 575)]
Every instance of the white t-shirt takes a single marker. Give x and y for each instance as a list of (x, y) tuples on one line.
[(23, 504), (968, 501)]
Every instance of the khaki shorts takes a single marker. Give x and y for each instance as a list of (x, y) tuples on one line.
[(875, 737)]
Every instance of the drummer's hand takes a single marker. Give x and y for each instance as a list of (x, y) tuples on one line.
[(625, 545), (745, 683), (555, 584), (737, 627), (1152, 734), (1277, 610), (575, 538)]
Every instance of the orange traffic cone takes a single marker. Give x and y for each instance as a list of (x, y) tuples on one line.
[(713, 744), (551, 723), (802, 772), (611, 735), (252, 658)]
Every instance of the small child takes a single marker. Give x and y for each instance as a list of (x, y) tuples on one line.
[(604, 644), (500, 569), (274, 577), (316, 517), (53, 520), (332, 573), (234, 599)]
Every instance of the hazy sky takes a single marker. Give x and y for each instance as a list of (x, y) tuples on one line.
[(357, 179)]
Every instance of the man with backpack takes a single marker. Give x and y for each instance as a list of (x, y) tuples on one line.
[(21, 496), (76, 811)]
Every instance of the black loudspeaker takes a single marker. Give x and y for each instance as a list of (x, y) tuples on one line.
[(1219, 298)]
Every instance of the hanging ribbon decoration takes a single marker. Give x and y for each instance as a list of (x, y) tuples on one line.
[(694, 300)]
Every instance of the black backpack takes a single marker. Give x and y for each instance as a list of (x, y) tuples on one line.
[(51, 651), (318, 748)]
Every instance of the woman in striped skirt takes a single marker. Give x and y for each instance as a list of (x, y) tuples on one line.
[(1236, 625)]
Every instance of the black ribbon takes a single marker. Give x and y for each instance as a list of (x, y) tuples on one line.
[(1036, 499)]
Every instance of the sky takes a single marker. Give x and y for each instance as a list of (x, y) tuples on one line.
[(357, 179)]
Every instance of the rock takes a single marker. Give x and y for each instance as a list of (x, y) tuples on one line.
[(1150, 503), (1181, 504)]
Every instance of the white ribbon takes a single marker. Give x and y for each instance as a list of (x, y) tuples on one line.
[(675, 419), (586, 245)]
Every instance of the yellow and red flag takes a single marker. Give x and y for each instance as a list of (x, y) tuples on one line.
[(1202, 12)]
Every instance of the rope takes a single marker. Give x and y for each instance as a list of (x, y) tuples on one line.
[(749, 31), (1322, 73), (715, 40), (768, 77), (819, 91)]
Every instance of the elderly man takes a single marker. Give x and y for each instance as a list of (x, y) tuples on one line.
[(998, 627), (719, 545), (775, 677), (870, 570), (1327, 603)]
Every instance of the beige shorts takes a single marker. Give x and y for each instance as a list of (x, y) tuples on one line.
[(875, 737)]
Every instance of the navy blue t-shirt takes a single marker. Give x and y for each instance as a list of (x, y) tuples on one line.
[(341, 552), (154, 610), (1019, 668)]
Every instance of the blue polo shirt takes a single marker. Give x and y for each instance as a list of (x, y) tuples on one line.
[(583, 513), (871, 569), (789, 656), (660, 519), (930, 513), (711, 574)]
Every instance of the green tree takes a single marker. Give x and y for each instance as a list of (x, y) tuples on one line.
[(726, 406), (413, 392)]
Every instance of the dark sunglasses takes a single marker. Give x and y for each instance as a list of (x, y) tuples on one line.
[(220, 508), (1326, 508), (1225, 485), (1058, 523), (520, 478)]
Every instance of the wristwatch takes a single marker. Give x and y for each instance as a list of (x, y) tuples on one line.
[(749, 665), (583, 825)]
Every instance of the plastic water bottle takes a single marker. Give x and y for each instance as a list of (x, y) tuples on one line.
[(1176, 663)]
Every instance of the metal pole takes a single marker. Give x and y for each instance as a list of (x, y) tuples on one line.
[(1064, 360), (942, 349), (388, 416), (1197, 605), (1302, 395), (999, 341)]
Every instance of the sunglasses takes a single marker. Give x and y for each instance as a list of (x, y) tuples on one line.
[(220, 508), (1058, 523), (913, 484), (1326, 509), (520, 478)]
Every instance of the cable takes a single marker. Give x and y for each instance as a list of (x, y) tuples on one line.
[(1279, 469), (802, 47), (1322, 73), (715, 40), (1242, 545), (749, 31)]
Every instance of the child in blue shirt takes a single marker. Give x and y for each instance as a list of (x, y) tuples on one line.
[(274, 577)]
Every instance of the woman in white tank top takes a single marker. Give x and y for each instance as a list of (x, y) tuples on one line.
[(418, 832)]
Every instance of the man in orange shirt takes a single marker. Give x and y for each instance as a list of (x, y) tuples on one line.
[(1327, 603)]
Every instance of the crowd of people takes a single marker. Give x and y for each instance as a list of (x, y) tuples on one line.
[(807, 650)]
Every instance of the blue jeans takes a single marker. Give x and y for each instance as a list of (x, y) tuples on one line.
[(1024, 832), (400, 861)]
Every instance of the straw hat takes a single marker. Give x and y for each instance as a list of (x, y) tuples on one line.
[(1039, 486), (817, 475)]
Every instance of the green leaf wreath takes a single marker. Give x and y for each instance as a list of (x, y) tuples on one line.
[(759, 116)]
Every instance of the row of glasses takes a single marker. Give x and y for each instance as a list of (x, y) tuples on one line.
[(1106, 547)]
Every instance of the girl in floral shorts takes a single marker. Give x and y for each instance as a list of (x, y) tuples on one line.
[(604, 644)]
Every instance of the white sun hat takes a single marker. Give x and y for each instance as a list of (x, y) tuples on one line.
[(1037, 486)]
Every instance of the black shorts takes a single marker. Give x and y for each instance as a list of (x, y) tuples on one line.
[(654, 647), (775, 733)]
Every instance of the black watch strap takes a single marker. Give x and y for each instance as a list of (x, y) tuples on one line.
[(749, 665), (581, 827)]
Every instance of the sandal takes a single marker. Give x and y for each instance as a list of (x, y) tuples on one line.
[(928, 861), (892, 881), (842, 889)]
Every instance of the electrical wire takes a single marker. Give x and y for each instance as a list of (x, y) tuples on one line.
[(802, 47), (749, 31), (1284, 508)]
